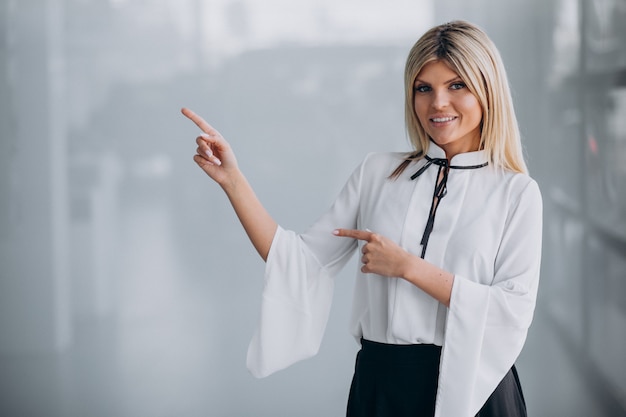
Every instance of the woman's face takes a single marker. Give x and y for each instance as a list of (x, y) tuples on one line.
[(448, 111)]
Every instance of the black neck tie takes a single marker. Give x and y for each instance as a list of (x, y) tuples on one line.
[(439, 192)]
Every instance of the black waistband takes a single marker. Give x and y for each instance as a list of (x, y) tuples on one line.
[(399, 353)]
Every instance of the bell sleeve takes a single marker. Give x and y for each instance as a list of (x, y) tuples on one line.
[(487, 325), (299, 283)]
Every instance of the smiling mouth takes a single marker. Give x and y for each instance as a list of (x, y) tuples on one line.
[(442, 119)]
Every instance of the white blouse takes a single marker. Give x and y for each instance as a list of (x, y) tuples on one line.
[(487, 232)]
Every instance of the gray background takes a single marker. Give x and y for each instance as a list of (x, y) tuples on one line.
[(127, 286)]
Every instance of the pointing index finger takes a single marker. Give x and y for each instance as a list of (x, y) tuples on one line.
[(199, 121), (355, 234)]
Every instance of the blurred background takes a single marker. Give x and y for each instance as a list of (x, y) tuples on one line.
[(127, 286)]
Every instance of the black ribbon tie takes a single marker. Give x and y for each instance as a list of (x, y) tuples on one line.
[(441, 189)]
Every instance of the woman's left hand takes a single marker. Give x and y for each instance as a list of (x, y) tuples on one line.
[(384, 257), (381, 255)]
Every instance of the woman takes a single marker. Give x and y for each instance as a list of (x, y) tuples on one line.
[(450, 242)]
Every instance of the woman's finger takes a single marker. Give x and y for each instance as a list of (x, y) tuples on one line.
[(208, 155), (201, 160), (213, 141), (199, 121), (355, 234), (205, 150), (202, 140)]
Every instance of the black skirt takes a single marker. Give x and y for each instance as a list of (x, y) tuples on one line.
[(401, 381)]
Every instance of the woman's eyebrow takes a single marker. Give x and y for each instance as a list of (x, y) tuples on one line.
[(457, 78)]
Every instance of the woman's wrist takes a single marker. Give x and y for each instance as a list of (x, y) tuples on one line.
[(410, 268), (431, 279), (233, 182)]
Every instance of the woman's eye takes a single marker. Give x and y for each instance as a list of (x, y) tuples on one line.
[(421, 89), (457, 86)]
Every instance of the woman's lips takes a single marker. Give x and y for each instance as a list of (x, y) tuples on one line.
[(442, 120)]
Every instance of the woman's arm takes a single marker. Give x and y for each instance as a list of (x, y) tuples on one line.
[(431, 279), (217, 159), (384, 257)]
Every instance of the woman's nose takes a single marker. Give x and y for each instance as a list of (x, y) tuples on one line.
[(440, 99)]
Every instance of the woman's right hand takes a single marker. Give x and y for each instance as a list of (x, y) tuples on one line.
[(216, 158), (213, 154)]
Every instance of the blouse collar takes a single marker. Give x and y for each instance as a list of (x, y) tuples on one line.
[(437, 156), (459, 160)]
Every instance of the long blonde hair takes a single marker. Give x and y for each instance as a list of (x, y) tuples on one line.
[(473, 56)]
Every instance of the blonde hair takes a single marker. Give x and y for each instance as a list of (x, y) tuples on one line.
[(473, 56)]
